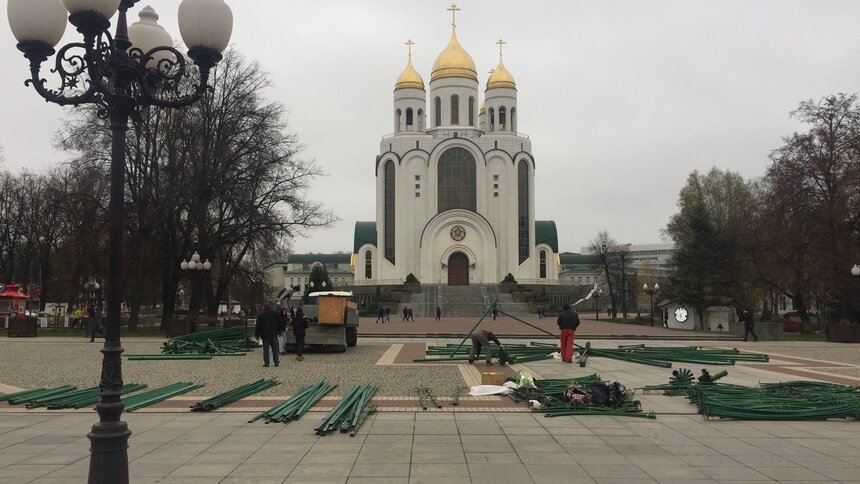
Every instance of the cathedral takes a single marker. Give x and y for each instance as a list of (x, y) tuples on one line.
[(455, 197)]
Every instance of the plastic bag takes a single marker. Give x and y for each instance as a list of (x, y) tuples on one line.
[(484, 390), (525, 380), (511, 385), (556, 355)]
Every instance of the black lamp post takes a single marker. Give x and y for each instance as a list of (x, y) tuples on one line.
[(597, 307), (650, 292), (855, 313), (123, 74), (192, 267)]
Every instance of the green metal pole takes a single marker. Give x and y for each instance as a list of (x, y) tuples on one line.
[(489, 308)]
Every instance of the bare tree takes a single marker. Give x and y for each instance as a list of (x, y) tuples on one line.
[(603, 247)]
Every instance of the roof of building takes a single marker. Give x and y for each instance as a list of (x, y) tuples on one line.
[(567, 259), (409, 78), (454, 61), (365, 233), (321, 258), (546, 233), (501, 77)]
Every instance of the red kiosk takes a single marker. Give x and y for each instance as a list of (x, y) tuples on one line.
[(12, 302)]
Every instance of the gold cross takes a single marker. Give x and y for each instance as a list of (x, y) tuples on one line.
[(500, 44), (409, 45), (453, 9)]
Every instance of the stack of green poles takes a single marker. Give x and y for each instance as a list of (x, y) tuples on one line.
[(220, 342), (233, 395), (350, 412), (294, 407), (783, 401), (170, 357), (78, 398), (145, 399), (663, 356), (28, 396), (513, 353)]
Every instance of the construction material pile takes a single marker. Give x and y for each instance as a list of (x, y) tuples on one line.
[(294, 407), (233, 395), (62, 397), (793, 400), (663, 356), (152, 397), (587, 395), (513, 353), (220, 342), (350, 412)]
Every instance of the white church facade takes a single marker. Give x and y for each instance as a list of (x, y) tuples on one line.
[(455, 184)]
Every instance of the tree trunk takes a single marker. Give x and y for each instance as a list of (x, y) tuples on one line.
[(135, 295)]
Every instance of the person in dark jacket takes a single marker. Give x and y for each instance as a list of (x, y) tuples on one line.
[(747, 318), (495, 313), (568, 321), (269, 326), (380, 315), (481, 339), (300, 324), (438, 313)]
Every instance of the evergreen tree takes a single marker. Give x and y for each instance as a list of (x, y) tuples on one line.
[(319, 279)]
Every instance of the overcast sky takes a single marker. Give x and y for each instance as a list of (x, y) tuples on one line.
[(622, 99)]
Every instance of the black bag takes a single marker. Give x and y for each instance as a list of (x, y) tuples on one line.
[(600, 394), (617, 394)]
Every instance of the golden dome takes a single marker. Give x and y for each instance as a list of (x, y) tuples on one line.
[(409, 78), (454, 61), (483, 108), (501, 77)]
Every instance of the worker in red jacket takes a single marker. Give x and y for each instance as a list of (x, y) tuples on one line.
[(568, 321)]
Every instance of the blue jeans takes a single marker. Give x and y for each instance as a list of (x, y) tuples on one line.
[(273, 344)]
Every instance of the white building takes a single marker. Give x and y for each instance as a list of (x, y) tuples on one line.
[(455, 184), (296, 270)]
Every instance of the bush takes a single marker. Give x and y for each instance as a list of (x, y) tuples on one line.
[(509, 279), (411, 279)]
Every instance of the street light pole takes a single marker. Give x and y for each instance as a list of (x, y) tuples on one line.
[(194, 266), (650, 292), (123, 75), (855, 313)]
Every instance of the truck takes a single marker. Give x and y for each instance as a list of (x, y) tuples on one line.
[(332, 321)]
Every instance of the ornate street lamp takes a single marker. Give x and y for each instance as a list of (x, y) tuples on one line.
[(123, 74), (92, 286), (192, 267), (650, 292), (597, 308)]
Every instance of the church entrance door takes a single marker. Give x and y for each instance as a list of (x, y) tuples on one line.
[(458, 269)]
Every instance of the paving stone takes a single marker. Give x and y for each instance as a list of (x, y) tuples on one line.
[(380, 470), (492, 457), (734, 473), (438, 458), (437, 471)]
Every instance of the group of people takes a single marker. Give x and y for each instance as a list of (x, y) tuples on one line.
[(271, 328), (541, 312), (568, 321), (93, 323), (384, 314)]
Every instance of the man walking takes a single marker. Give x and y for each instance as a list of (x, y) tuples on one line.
[(380, 315), (495, 313), (747, 318), (438, 313), (568, 321), (269, 325), (481, 339), (387, 314), (300, 324)]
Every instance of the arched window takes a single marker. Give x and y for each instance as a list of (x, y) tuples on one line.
[(588, 280), (368, 264), (523, 210), (456, 178), (437, 112), (455, 109), (292, 281), (408, 118), (420, 121), (503, 118), (388, 223), (513, 119), (543, 264), (580, 281), (492, 119), (397, 116), (471, 111)]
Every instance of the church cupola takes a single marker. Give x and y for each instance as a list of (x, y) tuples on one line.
[(500, 98), (409, 78), (454, 84), (410, 102)]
